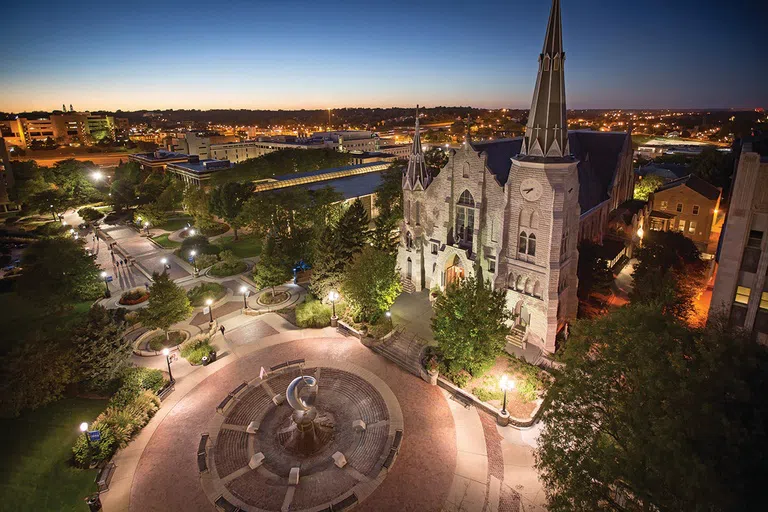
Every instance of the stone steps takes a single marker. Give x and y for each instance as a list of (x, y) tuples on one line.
[(515, 337), (403, 351), (408, 286)]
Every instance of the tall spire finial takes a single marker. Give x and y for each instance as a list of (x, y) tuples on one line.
[(546, 134), (416, 174), (468, 133)]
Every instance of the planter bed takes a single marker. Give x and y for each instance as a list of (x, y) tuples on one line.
[(158, 342), (267, 299)]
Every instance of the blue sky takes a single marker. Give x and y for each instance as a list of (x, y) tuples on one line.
[(284, 54)]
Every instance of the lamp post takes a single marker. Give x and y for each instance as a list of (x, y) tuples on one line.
[(333, 296), (208, 303), (106, 285), (53, 213), (506, 384), (194, 261), (389, 317), (244, 291), (164, 261), (97, 175), (146, 228), (167, 354), (191, 232)]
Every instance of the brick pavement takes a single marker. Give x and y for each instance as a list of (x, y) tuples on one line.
[(167, 476)]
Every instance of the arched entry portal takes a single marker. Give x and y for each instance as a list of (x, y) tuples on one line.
[(409, 269), (454, 271), (522, 315)]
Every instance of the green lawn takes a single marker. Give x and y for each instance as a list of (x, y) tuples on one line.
[(176, 223), (163, 241), (36, 469), (246, 247)]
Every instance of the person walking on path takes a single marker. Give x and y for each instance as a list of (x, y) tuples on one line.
[(222, 330)]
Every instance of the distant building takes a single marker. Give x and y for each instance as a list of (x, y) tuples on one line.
[(349, 141), (399, 150), (6, 179), (196, 172), (741, 286), (198, 143), (157, 160), (688, 205), (64, 128)]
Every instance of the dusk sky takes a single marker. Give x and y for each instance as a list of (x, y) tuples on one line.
[(269, 55)]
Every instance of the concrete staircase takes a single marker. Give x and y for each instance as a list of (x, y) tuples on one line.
[(516, 336), (408, 286), (404, 350)]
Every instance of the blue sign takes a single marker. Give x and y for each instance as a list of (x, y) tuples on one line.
[(94, 435), (109, 279)]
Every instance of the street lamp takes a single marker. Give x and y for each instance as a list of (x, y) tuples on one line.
[(194, 260), (164, 261), (506, 384), (53, 213), (191, 232), (97, 175), (389, 317), (106, 285), (146, 228), (208, 303), (244, 291), (84, 430), (333, 296), (167, 355)]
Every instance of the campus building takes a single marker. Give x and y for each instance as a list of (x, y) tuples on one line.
[(741, 284), (196, 171), (6, 179), (517, 208), (64, 128), (157, 160)]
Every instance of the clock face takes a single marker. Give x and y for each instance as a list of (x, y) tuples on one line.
[(531, 189)]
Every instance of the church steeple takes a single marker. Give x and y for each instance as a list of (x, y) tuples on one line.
[(416, 175), (546, 134)]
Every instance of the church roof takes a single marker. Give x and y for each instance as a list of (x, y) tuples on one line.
[(694, 183), (598, 154)]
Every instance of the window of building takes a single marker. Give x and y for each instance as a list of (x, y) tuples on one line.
[(418, 212), (679, 208), (692, 227), (491, 266), (764, 300), (681, 226), (751, 256), (742, 295), (564, 245), (465, 170), (465, 220), (408, 211), (755, 239), (523, 244), (695, 209), (408, 241), (664, 205), (434, 248), (531, 245)]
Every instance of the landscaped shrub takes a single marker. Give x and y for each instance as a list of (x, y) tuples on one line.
[(528, 380), (206, 260), (228, 266), (159, 342), (89, 214), (196, 350), (313, 313), (135, 296), (198, 295), (53, 228), (198, 243), (128, 411), (214, 228)]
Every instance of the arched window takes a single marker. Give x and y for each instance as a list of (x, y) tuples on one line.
[(546, 63), (537, 289), (465, 170), (465, 220), (511, 281), (556, 63), (532, 245), (418, 212), (519, 283), (534, 220), (528, 286), (521, 247), (408, 240), (408, 211)]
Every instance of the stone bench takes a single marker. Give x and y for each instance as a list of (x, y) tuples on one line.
[(463, 399), (239, 388), (222, 504), (390, 458), (166, 391), (224, 403), (398, 439), (346, 503), (105, 476), (202, 462)]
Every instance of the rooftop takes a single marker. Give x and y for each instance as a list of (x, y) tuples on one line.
[(203, 166), (694, 183), (159, 156)]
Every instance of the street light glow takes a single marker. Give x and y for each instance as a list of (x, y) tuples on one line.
[(243, 289), (83, 427), (506, 383), (333, 295), (103, 274), (164, 261), (166, 352), (192, 253), (191, 232), (97, 175), (208, 302)]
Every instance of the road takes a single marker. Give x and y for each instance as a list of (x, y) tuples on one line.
[(100, 159)]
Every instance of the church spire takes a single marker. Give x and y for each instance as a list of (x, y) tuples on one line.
[(546, 133), (416, 174)]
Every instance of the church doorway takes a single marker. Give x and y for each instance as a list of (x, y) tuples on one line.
[(522, 315), (409, 269), (454, 272)]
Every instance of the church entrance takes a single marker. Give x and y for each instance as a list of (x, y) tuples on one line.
[(522, 315), (409, 269), (454, 272)]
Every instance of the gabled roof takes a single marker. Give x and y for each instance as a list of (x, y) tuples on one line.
[(694, 183), (598, 154)]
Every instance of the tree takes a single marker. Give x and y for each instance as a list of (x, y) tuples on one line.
[(435, 159), (385, 236), (646, 409), (227, 202), (329, 263), (669, 273), (89, 214), (270, 272), (371, 284), (714, 166), (593, 272), (647, 185), (102, 351), (197, 204), (469, 325), (352, 229), (389, 193), (72, 178), (172, 196), (168, 304), (151, 213), (50, 200), (58, 272)]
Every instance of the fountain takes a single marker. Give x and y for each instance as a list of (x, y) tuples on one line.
[(308, 431)]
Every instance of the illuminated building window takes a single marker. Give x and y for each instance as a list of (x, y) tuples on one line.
[(695, 209), (692, 227), (679, 208), (764, 300), (742, 295)]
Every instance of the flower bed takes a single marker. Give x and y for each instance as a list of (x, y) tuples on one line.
[(159, 341), (194, 351), (200, 293), (268, 299), (135, 296)]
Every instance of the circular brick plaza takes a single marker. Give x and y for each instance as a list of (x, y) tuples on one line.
[(171, 474), (360, 429)]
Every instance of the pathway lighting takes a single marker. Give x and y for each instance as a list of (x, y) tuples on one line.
[(208, 303), (506, 384), (333, 296), (167, 354)]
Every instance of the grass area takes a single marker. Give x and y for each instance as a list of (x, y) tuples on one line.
[(175, 223), (313, 313), (246, 247), (194, 352), (162, 241), (228, 268), (277, 298), (198, 295), (217, 228), (159, 342), (36, 468)]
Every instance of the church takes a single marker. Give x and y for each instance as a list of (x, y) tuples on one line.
[(517, 208)]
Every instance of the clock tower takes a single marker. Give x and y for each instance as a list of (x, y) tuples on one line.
[(540, 256)]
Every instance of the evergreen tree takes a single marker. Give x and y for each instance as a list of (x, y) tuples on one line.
[(352, 229), (371, 284), (330, 260), (227, 202), (270, 272), (385, 235), (102, 351), (168, 304)]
